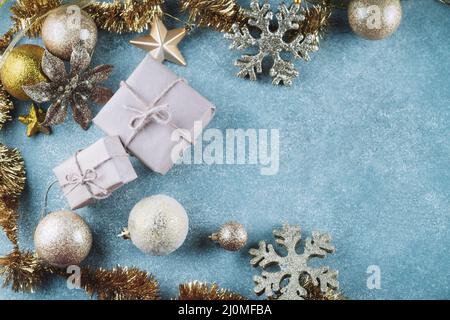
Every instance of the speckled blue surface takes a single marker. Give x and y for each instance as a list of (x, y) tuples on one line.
[(365, 154)]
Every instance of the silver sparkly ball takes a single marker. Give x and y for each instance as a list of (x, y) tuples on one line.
[(64, 28), (62, 239), (231, 236), (374, 19), (158, 225)]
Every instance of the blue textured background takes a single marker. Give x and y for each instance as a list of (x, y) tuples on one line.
[(365, 154)]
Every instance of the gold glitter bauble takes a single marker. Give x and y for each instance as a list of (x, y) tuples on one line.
[(64, 28), (231, 236), (22, 67), (62, 239), (374, 19)]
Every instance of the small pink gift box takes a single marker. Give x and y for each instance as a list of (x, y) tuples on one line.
[(154, 113), (95, 172)]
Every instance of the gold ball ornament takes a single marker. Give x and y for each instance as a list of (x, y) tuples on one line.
[(158, 225), (63, 238), (374, 19), (231, 236), (22, 67), (64, 28)]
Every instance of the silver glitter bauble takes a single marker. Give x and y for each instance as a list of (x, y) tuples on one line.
[(374, 19), (62, 239), (158, 225), (231, 236), (64, 28)]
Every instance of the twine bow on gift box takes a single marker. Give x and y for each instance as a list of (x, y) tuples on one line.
[(87, 179), (152, 112)]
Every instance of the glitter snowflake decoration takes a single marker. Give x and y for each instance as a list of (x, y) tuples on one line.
[(288, 283), (272, 42)]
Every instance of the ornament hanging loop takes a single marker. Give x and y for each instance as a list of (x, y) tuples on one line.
[(45, 206), (189, 26)]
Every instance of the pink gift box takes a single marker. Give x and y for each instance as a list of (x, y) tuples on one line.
[(154, 113), (95, 172)]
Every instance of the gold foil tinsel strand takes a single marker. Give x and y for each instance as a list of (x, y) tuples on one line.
[(9, 217), (314, 293), (29, 14), (23, 271), (125, 16), (6, 106), (12, 172), (316, 18), (6, 38), (12, 183), (219, 15), (120, 283), (203, 291)]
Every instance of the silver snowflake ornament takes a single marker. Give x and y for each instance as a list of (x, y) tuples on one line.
[(287, 283), (272, 42)]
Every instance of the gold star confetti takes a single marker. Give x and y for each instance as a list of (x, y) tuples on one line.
[(34, 120), (162, 43)]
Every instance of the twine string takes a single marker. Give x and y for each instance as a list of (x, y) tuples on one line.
[(151, 112)]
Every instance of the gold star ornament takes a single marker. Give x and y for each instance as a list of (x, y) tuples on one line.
[(162, 43), (33, 120)]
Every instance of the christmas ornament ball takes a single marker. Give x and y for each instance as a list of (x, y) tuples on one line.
[(231, 236), (374, 19), (64, 28), (158, 225), (62, 239), (22, 67)]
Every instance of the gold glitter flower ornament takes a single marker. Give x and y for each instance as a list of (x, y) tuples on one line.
[(75, 88)]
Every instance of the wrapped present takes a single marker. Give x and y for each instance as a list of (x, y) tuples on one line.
[(95, 172), (156, 114)]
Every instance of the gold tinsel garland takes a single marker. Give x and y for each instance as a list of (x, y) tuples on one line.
[(202, 291), (219, 15), (28, 14), (120, 283), (6, 39), (23, 271), (314, 292), (12, 172), (125, 16), (9, 217), (316, 18), (6, 106)]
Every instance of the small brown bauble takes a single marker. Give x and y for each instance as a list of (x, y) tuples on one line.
[(22, 67), (62, 239), (64, 28), (374, 19), (231, 236)]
